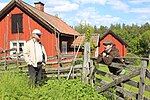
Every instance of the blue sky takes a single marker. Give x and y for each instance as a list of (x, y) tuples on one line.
[(96, 12)]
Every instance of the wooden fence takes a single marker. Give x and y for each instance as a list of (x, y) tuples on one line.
[(89, 72), (118, 83), (70, 70)]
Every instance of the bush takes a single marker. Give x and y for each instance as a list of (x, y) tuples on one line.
[(14, 86), (135, 62)]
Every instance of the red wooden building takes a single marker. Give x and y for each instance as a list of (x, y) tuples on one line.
[(120, 44), (18, 19)]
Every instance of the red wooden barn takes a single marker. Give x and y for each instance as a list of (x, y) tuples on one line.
[(18, 19), (120, 44)]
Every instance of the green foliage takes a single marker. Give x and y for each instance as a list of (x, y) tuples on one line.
[(70, 90), (88, 36), (84, 27), (145, 43), (137, 37), (14, 86), (135, 62), (135, 45), (88, 30)]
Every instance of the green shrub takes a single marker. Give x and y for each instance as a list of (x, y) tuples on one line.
[(135, 61), (14, 86)]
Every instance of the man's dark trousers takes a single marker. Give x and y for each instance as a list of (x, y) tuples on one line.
[(35, 74)]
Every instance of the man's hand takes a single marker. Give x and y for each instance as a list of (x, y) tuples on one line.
[(43, 64), (104, 54), (94, 59)]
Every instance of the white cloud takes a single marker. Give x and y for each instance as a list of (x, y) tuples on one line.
[(140, 10), (68, 11), (66, 7), (91, 16), (138, 1), (2, 5), (61, 6), (102, 2), (119, 5)]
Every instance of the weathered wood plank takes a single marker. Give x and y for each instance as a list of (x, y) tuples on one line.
[(50, 70), (113, 95), (127, 92), (142, 81), (148, 73), (92, 71), (64, 68), (120, 89), (86, 63), (63, 75), (106, 74), (119, 80), (62, 71), (13, 49), (136, 84), (119, 65), (129, 82)]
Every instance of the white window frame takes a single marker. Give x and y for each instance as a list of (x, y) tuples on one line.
[(17, 42), (64, 47)]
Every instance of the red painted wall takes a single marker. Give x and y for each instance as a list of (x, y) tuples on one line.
[(48, 39), (119, 45)]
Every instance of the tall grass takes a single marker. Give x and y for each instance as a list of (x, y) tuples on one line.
[(14, 86)]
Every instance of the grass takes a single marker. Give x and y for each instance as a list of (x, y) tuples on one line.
[(14, 86)]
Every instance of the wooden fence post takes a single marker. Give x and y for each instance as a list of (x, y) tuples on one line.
[(92, 69), (58, 57), (5, 63), (86, 63), (142, 80)]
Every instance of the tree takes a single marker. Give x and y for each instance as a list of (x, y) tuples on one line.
[(145, 43), (88, 38), (137, 37)]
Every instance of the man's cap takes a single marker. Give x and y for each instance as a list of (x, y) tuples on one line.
[(107, 42), (36, 31)]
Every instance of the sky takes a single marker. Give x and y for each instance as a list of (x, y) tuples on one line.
[(96, 12)]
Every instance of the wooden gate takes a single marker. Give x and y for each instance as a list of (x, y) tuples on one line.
[(142, 85)]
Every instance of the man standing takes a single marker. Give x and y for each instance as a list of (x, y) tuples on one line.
[(108, 56), (35, 56)]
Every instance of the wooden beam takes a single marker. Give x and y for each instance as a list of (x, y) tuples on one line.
[(148, 73), (129, 82), (136, 84), (142, 80), (119, 80), (86, 63), (106, 74), (113, 95)]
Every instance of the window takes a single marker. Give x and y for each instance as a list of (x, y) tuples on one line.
[(64, 47), (16, 23), (17, 44)]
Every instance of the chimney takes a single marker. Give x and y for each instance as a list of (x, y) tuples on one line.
[(39, 5)]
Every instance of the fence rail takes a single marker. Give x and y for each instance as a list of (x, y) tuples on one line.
[(118, 82), (89, 72)]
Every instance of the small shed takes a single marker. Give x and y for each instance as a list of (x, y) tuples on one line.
[(120, 44)]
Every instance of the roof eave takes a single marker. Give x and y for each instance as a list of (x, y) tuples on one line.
[(117, 37), (7, 8), (28, 11)]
